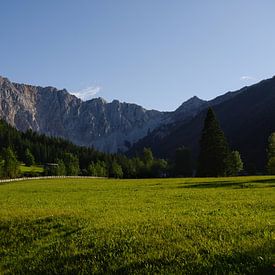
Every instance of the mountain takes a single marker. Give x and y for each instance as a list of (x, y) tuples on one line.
[(109, 127), (246, 116), (174, 120)]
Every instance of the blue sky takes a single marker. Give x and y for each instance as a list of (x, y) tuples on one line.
[(156, 53)]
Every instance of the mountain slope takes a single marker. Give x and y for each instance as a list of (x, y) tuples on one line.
[(247, 119), (107, 126), (184, 114)]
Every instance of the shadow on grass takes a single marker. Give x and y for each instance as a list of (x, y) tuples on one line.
[(239, 263), (272, 181), (58, 259), (50, 246), (261, 183), (211, 184), (113, 260)]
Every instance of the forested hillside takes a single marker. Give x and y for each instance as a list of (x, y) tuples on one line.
[(61, 157), (247, 120)]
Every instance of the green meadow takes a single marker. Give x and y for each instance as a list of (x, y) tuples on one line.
[(31, 169), (166, 226)]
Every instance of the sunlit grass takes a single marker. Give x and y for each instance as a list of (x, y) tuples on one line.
[(31, 169), (209, 226)]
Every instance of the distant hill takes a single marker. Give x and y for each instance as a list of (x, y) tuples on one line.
[(247, 117)]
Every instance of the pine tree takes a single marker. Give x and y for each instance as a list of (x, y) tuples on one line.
[(214, 150)]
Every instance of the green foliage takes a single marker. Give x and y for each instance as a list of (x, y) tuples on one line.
[(271, 166), (138, 167), (116, 170), (29, 158), (130, 170), (61, 169), (76, 159), (1, 167), (55, 169), (10, 168), (214, 150), (271, 146), (98, 169), (235, 164), (147, 156), (45, 149), (149, 226), (147, 159), (92, 171), (159, 168), (71, 163), (271, 155), (149, 167), (51, 169), (183, 163)]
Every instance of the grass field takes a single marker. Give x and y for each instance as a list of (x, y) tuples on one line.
[(31, 169), (169, 226)]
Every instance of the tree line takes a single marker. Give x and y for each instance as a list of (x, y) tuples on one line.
[(61, 157)]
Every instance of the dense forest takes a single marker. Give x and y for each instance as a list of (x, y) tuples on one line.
[(61, 157)]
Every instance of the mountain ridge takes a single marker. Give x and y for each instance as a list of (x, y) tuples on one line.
[(108, 126), (47, 110), (246, 117)]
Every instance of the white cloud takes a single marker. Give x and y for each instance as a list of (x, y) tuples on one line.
[(246, 78), (88, 93)]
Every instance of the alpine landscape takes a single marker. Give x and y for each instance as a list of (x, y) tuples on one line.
[(158, 156)]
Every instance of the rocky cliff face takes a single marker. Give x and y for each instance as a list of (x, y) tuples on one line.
[(109, 127)]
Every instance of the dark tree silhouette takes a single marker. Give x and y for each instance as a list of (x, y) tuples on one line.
[(214, 157)]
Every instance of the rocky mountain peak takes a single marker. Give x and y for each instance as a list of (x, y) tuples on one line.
[(98, 100), (54, 112), (5, 81), (191, 103), (189, 108)]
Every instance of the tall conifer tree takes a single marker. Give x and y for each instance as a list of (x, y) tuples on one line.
[(214, 157)]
